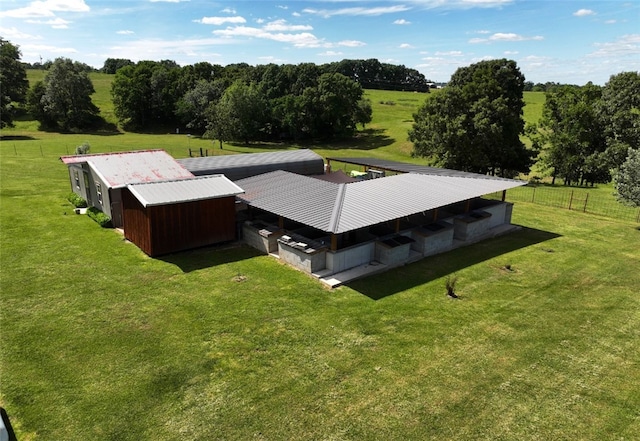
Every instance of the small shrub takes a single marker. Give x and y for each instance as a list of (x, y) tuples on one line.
[(450, 285), (76, 200), (102, 219), (83, 148)]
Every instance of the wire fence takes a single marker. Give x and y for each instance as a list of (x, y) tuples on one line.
[(580, 199)]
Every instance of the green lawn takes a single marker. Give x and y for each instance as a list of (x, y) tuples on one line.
[(99, 341)]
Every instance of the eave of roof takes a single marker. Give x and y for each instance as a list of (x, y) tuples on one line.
[(338, 208), (403, 167), (184, 190)]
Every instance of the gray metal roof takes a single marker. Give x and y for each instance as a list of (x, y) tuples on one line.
[(121, 168), (302, 162), (338, 208), (184, 190), (403, 167)]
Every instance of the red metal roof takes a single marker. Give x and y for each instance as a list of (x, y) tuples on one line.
[(121, 168)]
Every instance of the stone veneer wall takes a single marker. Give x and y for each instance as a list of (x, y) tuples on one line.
[(356, 255), (262, 239), (429, 242), (469, 227), (305, 259)]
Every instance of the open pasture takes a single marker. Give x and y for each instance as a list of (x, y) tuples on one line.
[(98, 341)]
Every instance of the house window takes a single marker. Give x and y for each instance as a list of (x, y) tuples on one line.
[(99, 191), (76, 177)]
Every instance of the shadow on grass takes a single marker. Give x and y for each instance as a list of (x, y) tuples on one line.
[(431, 268), (16, 138), (207, 257)]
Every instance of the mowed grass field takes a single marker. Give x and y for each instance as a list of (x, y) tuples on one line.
[(100, 342)]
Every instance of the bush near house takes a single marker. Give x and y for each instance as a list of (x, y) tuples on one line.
[(77, 201), (102, 219)]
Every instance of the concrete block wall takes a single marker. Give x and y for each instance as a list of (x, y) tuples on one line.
[(429, 242), (356, 255), (263, 240), (309, 262), (391, 255), (468, 228)]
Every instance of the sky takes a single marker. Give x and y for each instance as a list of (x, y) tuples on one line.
[(564, 41)]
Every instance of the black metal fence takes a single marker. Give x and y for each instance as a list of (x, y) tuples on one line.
[(579, 199)]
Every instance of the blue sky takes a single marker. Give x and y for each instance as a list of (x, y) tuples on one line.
[(567, 41)]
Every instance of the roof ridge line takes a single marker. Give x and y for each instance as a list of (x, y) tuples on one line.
[(337, 208)]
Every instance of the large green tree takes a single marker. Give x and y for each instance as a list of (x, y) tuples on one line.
[(63, 100), (240, 113), (475, 123), (619, 111), (573, 135), (628, 179), (13, 81)]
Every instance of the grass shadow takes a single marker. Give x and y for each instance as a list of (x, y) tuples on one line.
[(434, 267), (208, 257), (17, 138)]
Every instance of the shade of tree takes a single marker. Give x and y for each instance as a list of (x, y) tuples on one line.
[(63, 100), (13, 81), (628, 179), (475, 123)]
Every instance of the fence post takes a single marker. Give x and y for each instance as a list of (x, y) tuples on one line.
[(584, 210), (533, 195), (571, 200)]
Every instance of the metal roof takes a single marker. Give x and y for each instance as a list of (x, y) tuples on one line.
[(403, 167), (302, 162), (121, 168), (338, 208), (184, 190)]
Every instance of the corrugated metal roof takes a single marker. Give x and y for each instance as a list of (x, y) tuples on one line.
[(121, 168), (403, 167), (302, 162), (184, 190), (338, 208)]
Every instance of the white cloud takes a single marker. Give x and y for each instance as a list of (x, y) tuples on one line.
[(505, 36), (303, 39), (449, 53), (168, 1), (125, 32), (351, 43), (405, 46), (157, 49), (221, 20), (511, 52), (283, 26), (15, 34), (34, 50), (402, 21), (46, 8), (584, 12), (627, 45), (55, 23), (357, 11), (610, 22), (229, 11), (330, 54)]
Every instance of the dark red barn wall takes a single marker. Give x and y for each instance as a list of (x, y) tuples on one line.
[(135, 222), (164, 229)]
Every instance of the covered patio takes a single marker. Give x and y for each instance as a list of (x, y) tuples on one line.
[(326, 228)]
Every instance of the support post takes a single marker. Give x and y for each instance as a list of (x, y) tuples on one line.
[(435, 214), (334, 242), (504, 195), (398, 225), (280, 222), (467, 206)]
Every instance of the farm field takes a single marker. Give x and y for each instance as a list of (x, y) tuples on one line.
[(98, 341)]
